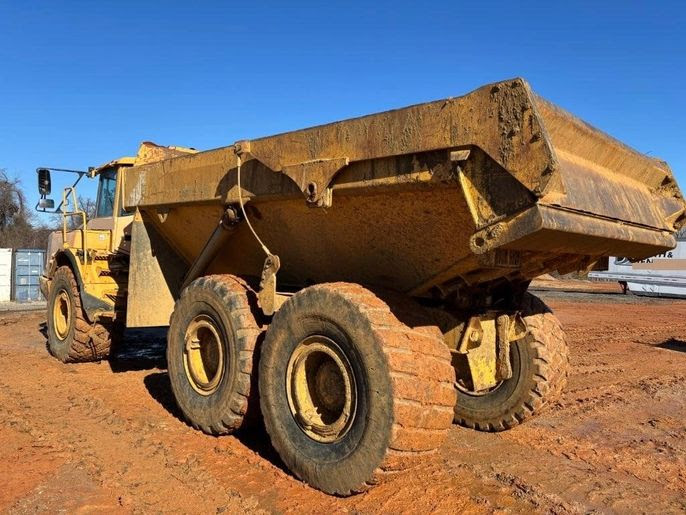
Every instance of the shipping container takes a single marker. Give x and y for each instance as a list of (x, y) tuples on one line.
[(5, 274), (28, 266)]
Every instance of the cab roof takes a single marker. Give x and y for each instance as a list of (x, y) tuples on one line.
[(122, 161), (148, 152)]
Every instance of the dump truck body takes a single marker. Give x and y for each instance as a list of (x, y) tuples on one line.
[(374, 270), (441, 197)]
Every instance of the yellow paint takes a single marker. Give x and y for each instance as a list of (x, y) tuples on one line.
[(479, 343)]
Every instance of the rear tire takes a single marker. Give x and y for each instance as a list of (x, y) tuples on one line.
[(374, 396), (540, 365), (71, 339), (213, 334)]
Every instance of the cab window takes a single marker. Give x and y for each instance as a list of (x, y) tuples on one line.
[(106, 191)]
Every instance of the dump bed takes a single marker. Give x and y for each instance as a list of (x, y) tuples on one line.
[(496, 184)]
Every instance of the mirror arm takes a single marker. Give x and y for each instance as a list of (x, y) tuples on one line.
[(43, 210), (59, 207), (80, 172)]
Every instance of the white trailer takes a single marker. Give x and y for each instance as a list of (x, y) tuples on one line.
[(663, 275)]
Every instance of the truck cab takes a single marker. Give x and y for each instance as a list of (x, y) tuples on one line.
[(86, 275), (93, 254)]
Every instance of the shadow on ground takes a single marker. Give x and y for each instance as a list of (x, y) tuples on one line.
[(253, 434), (140, 349), (145, 349), (159, 388), (673, 344)]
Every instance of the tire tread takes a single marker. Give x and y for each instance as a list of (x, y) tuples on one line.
[(234, 293), (90, 342), (551, 368), (415, 435)]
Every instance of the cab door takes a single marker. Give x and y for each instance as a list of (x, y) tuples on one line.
[(109, 214)]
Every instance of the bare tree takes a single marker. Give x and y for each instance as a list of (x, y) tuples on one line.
[(86, 204), (12, 200), (18, 227)]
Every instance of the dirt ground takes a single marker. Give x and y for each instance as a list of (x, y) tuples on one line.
[(107, 437)]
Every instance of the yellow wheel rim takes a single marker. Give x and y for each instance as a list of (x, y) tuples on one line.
[(321, 389), (203, 356), (61, 314)]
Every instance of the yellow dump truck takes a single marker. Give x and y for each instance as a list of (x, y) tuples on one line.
[(363, 283)]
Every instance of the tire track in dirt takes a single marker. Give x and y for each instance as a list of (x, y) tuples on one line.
[(612, 443), (116, 451), (124, 436), (108, 435), (97, 439)]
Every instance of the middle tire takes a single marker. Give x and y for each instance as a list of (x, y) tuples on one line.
[(211, 342), (348, 392), (540, 365)]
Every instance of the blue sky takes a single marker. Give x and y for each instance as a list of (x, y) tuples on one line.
[(84, 82)]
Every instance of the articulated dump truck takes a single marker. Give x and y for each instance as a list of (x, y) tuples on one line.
[(360, 285)]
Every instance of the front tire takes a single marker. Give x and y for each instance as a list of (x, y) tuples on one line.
[(349, 394), (71, 339), (212, 338), (540, 366)]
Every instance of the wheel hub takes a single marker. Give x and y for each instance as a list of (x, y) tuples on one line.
[(61, 314), (467, 388), (203, 356), (321, 389)]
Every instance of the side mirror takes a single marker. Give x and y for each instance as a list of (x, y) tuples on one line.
[(44, 183), (46, 203)]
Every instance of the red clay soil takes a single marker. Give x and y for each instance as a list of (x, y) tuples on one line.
[(107, 437)]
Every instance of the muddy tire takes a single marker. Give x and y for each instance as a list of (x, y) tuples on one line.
[(540, 365), (212, 339), (349, 394), (71, 338)]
